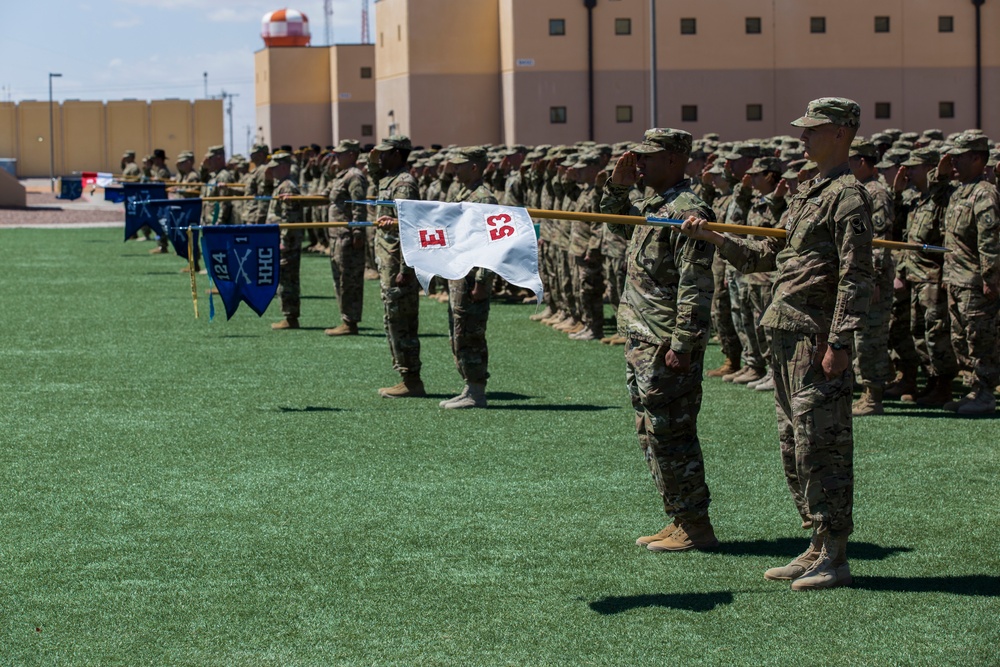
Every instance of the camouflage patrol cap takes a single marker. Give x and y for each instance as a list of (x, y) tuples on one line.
[(217, 150), (836, 110), (967, 141), (185, 155), (280, 158), (348, 146), (933, 134), (587, 159), (468, 154), (711, 136), (791, 174), (862, 148), (395, 141), (664, 139), (260, 148), (128, 154), (909, 136), (921, 156), (742, 150), (516, 149), (718, 168), (765, 164), (809, 166), (603, 149), (993, 159), (893, 157), (893, 132), (903, 145)]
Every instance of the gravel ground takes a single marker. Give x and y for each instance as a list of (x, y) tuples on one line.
[(44, 210)]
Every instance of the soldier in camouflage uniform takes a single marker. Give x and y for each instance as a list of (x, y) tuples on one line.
[(158, 170), (613, 248), (400, 289), (347, 245), (664, 315), (719, 194), (282, 210), (923, 217), (874, 367), (738, 161), (375, 173), (765, 211), (972, 269), (469, 297), (130, 170), (258, 185), (585, 249), (820, 298)]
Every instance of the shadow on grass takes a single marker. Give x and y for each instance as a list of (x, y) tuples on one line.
[(699, 602), (913, 410), (974, 584), (308, 408), (557, 407), (790, 547), (507, 396), (317, 298)]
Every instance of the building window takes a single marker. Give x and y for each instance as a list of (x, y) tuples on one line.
[(753, 25), (623, 26), (883, 110), (689, 26), (755, 112), (881, 24), (946, 24), (557, 114), (367, 130), (946, 109), (557, 26), (366, 72), (689, 113), (623, 114), (817, 24)]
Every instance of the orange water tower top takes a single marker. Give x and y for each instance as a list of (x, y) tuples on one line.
[(285, 27)]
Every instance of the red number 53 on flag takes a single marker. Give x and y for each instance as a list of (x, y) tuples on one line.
[(499, 226)]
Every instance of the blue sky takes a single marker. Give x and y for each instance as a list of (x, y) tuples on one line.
[(148, 49)]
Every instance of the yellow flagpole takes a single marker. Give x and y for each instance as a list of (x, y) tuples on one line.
[(194, 279)]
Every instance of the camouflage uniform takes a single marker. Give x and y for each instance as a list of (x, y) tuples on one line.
[(722, 311), (765, 211), (824, 278), (872, 340), (402, 303), (923, 217), (289, 291), (467, 319), (972, 232), (347, 245), (666, 305), (258, 186), (585, 249)]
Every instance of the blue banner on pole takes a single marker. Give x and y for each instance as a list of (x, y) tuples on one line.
[(138, 212), (174, 217), (243, 263), (114, 195)]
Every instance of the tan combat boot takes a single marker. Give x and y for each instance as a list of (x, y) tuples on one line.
[(586, 333), (345, 329), (411, 387), (689, 535), (618, 340), (554, 319), (545, 314), (829, 570), (797, 567), (870, 403), (287, 323), (472, 396), (727, 367), (646, 540), (748, 375)]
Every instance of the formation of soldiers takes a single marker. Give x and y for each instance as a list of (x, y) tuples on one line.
[(812, 316), (910, 176)]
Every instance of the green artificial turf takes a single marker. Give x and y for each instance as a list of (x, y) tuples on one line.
[(179, 492)]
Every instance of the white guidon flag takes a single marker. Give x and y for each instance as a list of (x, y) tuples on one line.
[(449, 240)]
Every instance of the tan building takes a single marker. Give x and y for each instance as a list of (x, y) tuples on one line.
[(92, 135), (315, 94), (516, 71)]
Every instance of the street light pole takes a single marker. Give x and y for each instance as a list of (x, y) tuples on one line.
[(52, 140), (653, 111)]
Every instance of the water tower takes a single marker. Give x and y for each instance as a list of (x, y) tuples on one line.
[(285, 27)]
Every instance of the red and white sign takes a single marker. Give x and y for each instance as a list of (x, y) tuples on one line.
[(464, 236)]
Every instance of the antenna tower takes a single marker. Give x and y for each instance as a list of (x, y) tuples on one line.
[(365, 35)]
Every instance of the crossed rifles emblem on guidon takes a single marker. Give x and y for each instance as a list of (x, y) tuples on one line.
[(239, 269)]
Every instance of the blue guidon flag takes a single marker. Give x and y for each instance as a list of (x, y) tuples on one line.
[(174, 217), (139, 212), (242, 261)]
